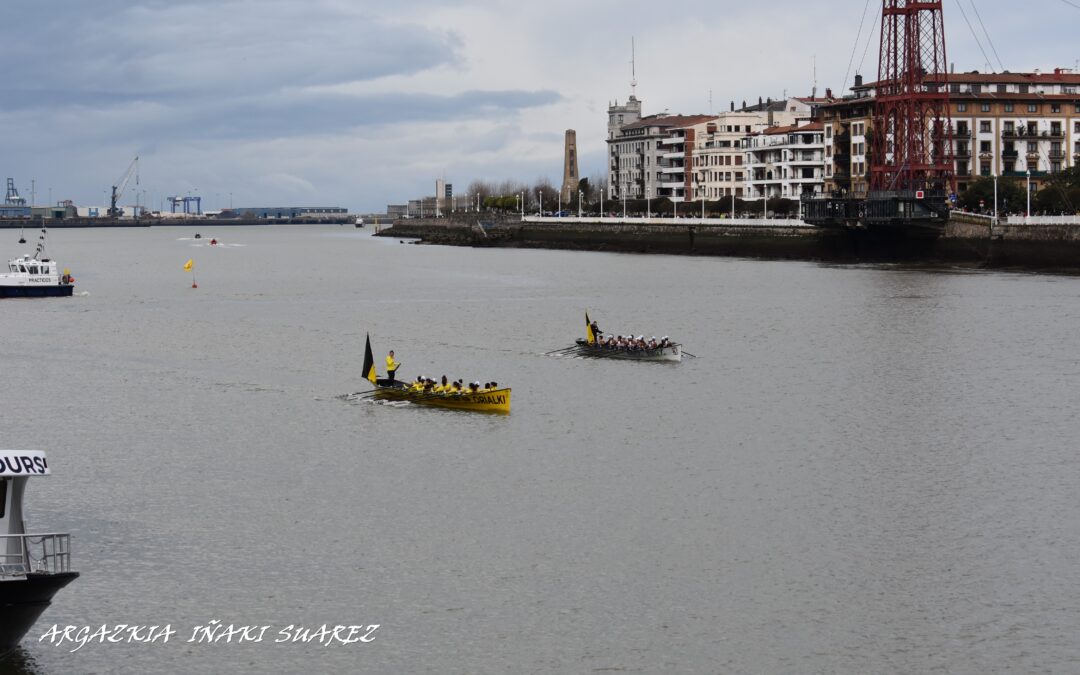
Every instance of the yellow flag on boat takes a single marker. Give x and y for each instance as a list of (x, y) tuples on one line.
[(189, 265), (589, 331), (369, 363)]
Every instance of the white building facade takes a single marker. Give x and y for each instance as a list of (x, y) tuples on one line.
[(785, 162)]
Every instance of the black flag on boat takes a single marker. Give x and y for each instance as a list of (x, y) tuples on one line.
[(369, 363)]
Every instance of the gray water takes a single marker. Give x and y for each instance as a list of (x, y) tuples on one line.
[(868, 469)]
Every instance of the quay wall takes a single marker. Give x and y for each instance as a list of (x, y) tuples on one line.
[(967, 240)]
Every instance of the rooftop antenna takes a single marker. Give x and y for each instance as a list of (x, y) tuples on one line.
[(813, 91), (633, 68)]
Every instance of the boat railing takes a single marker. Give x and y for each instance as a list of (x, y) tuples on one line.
[(22, 554)]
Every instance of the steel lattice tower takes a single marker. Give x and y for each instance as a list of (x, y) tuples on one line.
[(912, 136)]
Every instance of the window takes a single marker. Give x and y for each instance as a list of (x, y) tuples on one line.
[(961, 107), (984, 127), (1032, 147), (1055, 107), (984, 146), (962, 168), (1010, 127), (1001, 89), (1033, 107), (986, 107), (984, 168), (1055, 167), (1009, 107), (1025, 89)]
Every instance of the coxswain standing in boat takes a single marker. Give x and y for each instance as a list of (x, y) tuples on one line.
[(391, 367)]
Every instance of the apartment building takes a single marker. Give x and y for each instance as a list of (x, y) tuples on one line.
[(1003, 124), (635, 152), (719, 161), (785, 162)]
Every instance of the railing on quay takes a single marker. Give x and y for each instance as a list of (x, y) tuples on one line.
[(21, 554), (667, 220), (1044, 220)]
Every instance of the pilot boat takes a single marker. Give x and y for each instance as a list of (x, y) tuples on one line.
[(35, 276), (33, 566)]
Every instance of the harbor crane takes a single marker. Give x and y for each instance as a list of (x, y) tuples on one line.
[(13, 198), (911, 149), (118, 189)]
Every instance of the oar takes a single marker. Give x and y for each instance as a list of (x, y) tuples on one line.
[(566, 350), (693, 356)]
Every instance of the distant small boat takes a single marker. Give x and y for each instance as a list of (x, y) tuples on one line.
[(33, 567), (198, 236), (35, 276)]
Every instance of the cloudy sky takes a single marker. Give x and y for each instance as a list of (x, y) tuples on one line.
[(361, 103)]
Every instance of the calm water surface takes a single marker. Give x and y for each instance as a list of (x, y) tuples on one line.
[(867, 470)]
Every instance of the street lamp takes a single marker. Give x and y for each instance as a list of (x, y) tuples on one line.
[(1029, 193), (625, 188), (995, 198), (601, 202), (523, 206), (558, 214), (648, 202), (579, 203), (540, 193)]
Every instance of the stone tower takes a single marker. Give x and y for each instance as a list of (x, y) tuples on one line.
[(570, 167)]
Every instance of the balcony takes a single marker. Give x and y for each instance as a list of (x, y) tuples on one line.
[(673, 169), (672, 184), (1057, 154), (963, 154), (1010, 154)]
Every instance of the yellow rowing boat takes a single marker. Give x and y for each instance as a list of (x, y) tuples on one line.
[(494, 401)]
